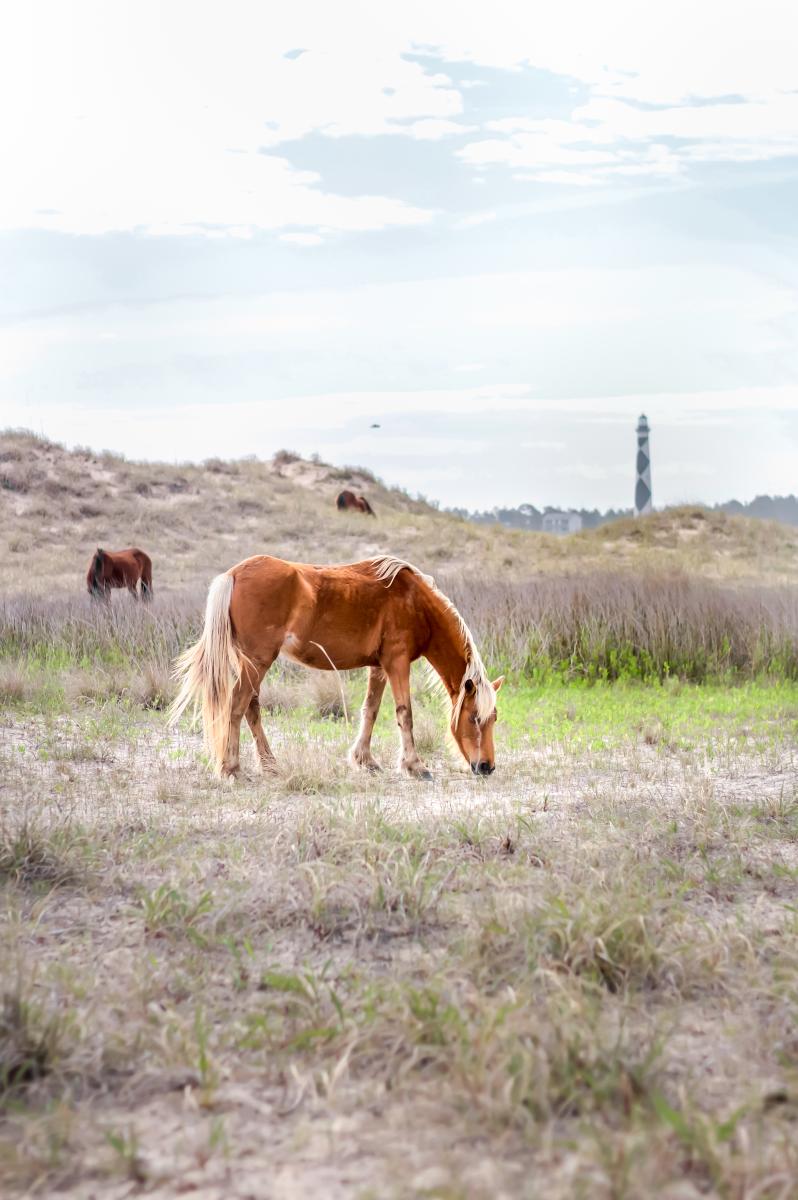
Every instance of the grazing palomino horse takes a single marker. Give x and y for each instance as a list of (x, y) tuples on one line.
[(118, 569), (382, 614), (347, 499)]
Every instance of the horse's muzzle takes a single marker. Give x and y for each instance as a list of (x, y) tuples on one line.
[(483, 768)]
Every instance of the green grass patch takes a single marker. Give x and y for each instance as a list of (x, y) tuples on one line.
[(670, 715)]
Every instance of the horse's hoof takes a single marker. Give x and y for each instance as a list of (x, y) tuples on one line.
[(424, 776), (370, 765)]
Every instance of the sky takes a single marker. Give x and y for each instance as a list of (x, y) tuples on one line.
[(498, 231)]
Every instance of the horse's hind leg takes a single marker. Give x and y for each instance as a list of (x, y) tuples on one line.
[(265, 757), (245, 703), (360, 755), (242, 695)]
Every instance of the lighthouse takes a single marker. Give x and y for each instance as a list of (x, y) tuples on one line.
[(643, 481)]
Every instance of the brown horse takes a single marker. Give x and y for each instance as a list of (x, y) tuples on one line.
[(347, 499), (118, 569), (382, 614)]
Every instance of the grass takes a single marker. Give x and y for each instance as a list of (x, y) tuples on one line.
[(61, 652), (668, 717), (31, 1043), (32, 855), (483, 980)]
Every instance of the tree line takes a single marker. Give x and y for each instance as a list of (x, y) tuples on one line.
[(527, 516)]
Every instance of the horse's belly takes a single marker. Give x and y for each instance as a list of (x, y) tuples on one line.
[(324, 657)]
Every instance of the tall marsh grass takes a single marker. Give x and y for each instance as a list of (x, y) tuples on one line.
[(67, 631), (595, 627), (612, 626)]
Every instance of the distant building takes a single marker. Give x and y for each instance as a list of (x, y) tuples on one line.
[(561, 522), (643, 469)]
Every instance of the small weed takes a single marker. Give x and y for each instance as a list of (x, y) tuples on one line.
[(128, 1154), (168, 910), (32, 1042), (15, 684), (33, 855)]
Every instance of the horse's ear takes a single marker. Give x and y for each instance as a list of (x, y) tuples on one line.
[(469, 687), (497, 683)]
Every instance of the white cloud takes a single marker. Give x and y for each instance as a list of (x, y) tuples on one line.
[(167, 189), (302, 239), (477, 218), (431, 130), (152, 117), (609, 137), (656, 54), (144, 115)]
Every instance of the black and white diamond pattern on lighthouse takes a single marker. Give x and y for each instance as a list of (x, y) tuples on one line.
[(643, 469)]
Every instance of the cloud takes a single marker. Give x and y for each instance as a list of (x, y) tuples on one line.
[(432, 130), (149, 117), (664, 54), (608, 138), (302, 239), (145, 116), (153, 119), (182, 190), (475, 219)]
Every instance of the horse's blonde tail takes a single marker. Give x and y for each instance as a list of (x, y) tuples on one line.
[(209, 671)]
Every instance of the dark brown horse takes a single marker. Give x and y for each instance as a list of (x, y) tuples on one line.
[(119, 569), (347, 499), (381, 614)]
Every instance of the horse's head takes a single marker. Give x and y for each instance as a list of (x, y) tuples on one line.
[(94, 579), (473, 718)]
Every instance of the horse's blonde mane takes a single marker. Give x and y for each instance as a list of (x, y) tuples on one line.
[(387, 567)]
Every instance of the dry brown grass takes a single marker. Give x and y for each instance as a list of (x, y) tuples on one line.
[(595, 627)]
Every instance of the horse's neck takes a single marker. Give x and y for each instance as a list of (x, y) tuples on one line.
[(446, 651)]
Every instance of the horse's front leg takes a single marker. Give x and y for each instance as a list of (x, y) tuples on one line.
[(399, 678), (360, 755)]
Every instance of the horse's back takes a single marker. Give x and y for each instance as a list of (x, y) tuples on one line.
[(322, 614)]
